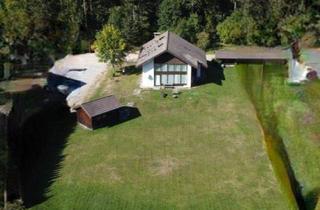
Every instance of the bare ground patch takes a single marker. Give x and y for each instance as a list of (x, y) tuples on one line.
[(165, 166)]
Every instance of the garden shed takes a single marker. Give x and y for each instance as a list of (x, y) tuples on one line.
[(99, 113)]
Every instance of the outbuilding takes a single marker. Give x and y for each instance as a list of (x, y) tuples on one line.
[(169, 60), (99, 113)]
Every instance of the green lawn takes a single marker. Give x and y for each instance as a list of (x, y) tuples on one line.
[(293, 114), (204, 150)]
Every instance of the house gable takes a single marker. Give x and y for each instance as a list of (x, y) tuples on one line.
[(167, 58), (176, 46)]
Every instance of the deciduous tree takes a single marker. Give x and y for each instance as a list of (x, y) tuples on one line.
[(110, 46)]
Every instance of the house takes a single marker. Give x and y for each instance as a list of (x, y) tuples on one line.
[(99, 113), (169, 60)]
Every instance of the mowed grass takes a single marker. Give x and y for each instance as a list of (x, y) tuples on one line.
[(203, 150), (293, 114)]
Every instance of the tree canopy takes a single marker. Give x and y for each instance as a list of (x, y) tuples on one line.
[(109, 45), (39, 28)]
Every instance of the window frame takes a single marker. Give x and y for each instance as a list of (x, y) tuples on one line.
[(179, 70)]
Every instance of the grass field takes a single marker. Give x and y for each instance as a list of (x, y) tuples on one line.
[(292, 113), (203, 150)]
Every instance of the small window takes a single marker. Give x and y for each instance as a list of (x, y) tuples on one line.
[(177, 68), (170, 79), (157, 67), (183, 68), (164, 68), (171, 67), (164, 80), (158, 80), (177, 79), (183, 79)]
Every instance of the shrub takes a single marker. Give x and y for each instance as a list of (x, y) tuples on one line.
[(203, 40), (293, 27), (238, 28)]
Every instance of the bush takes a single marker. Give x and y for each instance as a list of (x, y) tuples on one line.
[(203, 40), (293, 27), (238, 29), (16, 205), (309, 39)]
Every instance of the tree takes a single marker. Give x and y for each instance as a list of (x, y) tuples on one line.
[(133, 20), (293, 28), (203, 40), (238, 29), (110, 46), (170, 14), (38, 28)]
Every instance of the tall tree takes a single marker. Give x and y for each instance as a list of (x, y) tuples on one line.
[(110, 46), (40, 27), (133, 19)]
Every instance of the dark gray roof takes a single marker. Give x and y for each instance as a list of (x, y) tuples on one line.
[(176, 46), (100, 106), (252, 53)]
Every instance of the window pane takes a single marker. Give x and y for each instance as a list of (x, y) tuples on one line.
[(164, 67), (163, 79), (157, 80), (183, 79), (177, 79), (177, 68), (170, 79), (184, 68), (157, 67), (171, 67)]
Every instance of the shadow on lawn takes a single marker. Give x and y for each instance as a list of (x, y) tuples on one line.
[(38, 148), (312, 198), (132, 69), (214, 73)]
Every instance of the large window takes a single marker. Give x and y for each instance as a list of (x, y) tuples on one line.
[(170, 74)]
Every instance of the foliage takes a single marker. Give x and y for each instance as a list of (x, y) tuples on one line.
[(170, 14), (38, 28), (110, 46), (238, 29), (188, 28), (132, 19), (16, 205), (203, 40), (293, 27)]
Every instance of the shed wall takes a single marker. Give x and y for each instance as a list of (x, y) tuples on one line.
[(83, 118)]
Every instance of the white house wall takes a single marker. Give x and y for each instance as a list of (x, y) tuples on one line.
[(148, 74), (189, 75)]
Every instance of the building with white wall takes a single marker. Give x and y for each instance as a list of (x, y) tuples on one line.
[(169, 60)]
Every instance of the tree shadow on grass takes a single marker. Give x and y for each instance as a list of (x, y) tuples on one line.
[(132, 69), (312, 198), (38, 148)]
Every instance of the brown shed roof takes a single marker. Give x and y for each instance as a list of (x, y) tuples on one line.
[(175, 45), (253, 53), (101, 105)]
